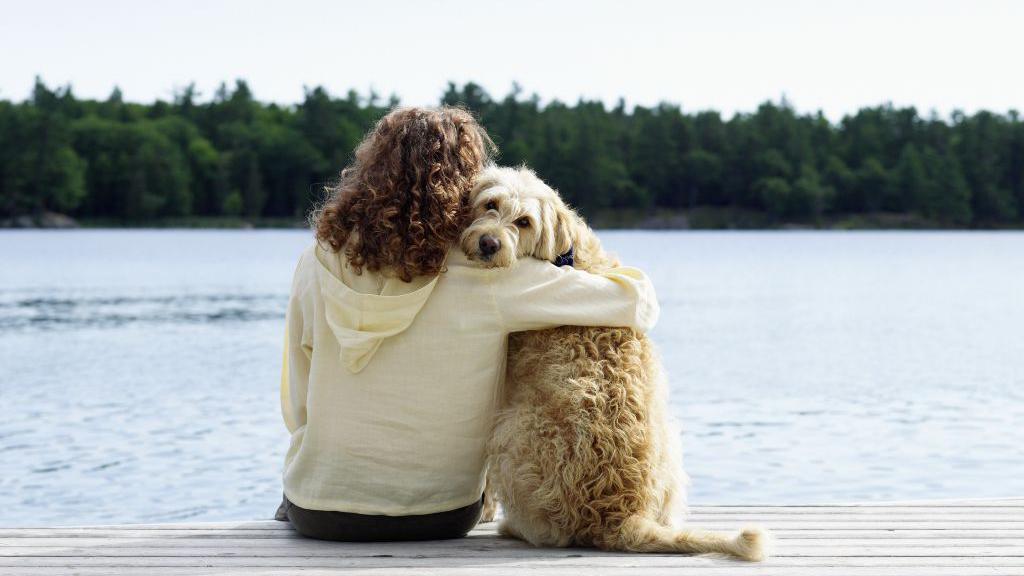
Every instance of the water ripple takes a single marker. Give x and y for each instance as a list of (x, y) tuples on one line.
[(68, 313)]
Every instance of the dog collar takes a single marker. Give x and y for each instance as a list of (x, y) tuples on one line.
[(564, 259)]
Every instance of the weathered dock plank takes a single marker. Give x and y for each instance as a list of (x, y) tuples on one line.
[(912, 539)]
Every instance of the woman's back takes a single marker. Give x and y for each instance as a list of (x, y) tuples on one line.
[(391, 386)]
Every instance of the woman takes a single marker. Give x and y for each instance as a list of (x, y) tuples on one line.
[(396, 342)]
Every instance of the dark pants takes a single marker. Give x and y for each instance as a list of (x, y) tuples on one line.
[(349, 527)]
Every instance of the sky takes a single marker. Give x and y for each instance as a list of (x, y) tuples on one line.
[(726, 55)]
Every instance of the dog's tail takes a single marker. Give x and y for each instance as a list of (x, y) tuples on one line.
[(639, 534)]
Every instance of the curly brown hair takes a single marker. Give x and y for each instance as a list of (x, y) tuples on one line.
[(402, 203)]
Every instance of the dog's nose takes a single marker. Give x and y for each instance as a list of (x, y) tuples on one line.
[(489, 245)]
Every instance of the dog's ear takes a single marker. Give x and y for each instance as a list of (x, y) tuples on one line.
[(557, 236), (487, 178)]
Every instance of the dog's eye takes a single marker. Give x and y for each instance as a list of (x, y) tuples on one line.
[(523, 222), (492, 205)]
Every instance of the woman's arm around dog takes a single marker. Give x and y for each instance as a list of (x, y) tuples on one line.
[(533, 295)]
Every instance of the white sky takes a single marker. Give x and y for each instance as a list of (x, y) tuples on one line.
[(727, 55)]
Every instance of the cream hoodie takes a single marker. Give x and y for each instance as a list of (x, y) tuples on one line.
[(389, 388)]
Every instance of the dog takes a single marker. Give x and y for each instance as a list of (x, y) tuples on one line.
[(582, 452)]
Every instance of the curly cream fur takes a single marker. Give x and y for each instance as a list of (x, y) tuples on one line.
[(582, 452)]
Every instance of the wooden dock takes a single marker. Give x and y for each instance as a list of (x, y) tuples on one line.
[(963, 538)]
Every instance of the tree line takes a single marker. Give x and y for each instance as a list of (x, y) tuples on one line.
[(232, 156)]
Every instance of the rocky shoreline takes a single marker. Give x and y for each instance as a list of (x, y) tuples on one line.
[(42, 220)]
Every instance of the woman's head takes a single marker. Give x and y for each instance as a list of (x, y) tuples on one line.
[(401, 204)]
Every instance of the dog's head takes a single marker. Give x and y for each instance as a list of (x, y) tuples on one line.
[(516, 215)]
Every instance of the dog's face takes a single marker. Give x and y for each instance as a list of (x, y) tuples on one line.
[(515, 215)]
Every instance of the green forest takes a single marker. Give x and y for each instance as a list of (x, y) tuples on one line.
[(230, 158)]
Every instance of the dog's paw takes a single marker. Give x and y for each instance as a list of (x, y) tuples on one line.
[(488, 515), (490, 509)]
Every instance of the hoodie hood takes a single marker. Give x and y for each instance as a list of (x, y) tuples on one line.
[(362, 321)]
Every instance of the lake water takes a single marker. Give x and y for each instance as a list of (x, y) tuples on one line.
[(139, 369)]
